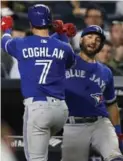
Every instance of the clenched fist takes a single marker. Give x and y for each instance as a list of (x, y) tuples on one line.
[(6, 23), (58, 26), (70, 29)]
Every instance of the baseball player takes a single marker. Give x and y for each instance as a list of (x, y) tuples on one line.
[(93, 111), (42, 61)]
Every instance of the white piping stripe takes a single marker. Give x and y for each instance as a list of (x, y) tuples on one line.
[(6, 45), (6, 34), (110, 101)]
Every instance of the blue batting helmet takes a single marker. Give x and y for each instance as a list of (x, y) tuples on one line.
[(93, 29), (39, 15)]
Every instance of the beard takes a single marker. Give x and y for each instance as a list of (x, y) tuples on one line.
[(89, 53)]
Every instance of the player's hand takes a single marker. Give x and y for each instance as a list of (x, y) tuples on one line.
[(70, 29), (6, 23), (120, 137), (58, 26)]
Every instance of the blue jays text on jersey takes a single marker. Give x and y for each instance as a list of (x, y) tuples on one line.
[(42, 62), (89, 86)]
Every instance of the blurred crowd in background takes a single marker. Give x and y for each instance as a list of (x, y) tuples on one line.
[(107, 14)]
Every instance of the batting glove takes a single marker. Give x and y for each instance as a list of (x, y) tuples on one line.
[(58, 26), (70, 29), (6, 23)]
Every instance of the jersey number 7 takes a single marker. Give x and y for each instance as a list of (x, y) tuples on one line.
[(46, 64)]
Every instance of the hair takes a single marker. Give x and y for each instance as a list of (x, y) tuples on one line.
[(107, 42), (95, 7), (42, 27), (29, 33)]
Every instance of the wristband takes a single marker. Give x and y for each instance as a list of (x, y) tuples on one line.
[(118, 129), (8, 31)]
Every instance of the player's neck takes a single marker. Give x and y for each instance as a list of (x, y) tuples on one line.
[(86, 58), (42, 33)]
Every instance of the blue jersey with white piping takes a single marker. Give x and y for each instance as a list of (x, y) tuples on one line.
[(42, 62), (89, 86)]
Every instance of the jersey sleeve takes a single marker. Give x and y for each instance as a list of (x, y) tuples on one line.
[(70, 57), (109, 92), (61, 37), (8, 44)]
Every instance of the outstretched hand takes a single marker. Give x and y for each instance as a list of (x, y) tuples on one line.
[(6, 23)]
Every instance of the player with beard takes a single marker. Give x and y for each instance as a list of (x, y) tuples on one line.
[(93, 110)]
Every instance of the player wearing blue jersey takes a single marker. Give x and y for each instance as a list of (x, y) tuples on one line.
[(93, 111), (42, 61)]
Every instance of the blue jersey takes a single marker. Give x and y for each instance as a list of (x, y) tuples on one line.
[(89, 86), (42, 62)]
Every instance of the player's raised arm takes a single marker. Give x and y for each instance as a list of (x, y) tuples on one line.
[(8, 43), (60, 33), (63, 32), (70, 57)]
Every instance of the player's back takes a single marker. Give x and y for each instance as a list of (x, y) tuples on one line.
[(42, 62)]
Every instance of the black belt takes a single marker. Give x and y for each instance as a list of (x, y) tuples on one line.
[(79, 120)]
